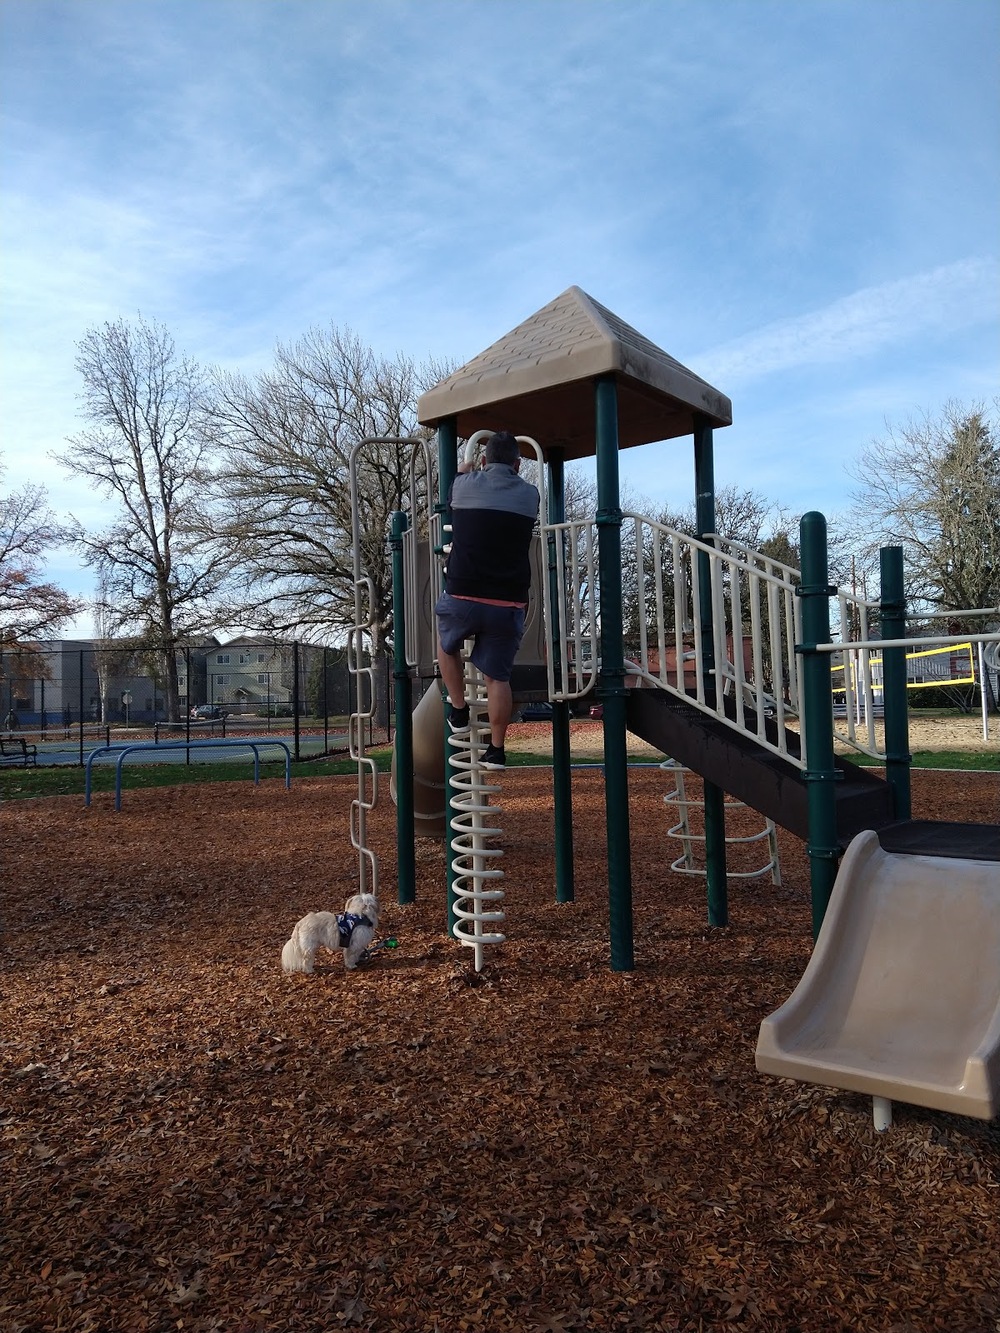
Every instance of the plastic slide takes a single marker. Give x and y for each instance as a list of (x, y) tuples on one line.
[(429, 795), (901, 997)]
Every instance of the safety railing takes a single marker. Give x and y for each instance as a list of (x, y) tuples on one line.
[(689, 594), (121, 753), (574, 617), (855, 675)]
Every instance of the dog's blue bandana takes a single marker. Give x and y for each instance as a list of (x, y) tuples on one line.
[(347, 922)]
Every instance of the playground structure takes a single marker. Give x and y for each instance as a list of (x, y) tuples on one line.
[(690, 861), (757, 722), (899, 998), (952, 666)]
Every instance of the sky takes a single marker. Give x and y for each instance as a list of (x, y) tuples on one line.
[(797, 199)]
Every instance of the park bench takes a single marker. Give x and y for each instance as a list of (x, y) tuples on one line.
[(16, 750)]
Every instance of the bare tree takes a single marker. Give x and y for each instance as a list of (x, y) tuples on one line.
[(743, 516), (145, 448), (30, 608), (113, 656), (286, 438), (932, 486)]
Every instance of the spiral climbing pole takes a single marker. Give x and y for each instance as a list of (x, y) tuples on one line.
[(474, 822), (689, 863)]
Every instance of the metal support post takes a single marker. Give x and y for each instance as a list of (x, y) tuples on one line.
[(562, 790), (821, 773), (81, 707), (296, 700), (892, 610), (406, 866), (717, 883), (612, 678)]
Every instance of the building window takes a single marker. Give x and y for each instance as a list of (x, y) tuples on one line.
[(260, 657), (223, 659), (220, 680), (262, 678)]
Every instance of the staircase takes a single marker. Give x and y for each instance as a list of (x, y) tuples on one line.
[(733, 716), (736, 763)]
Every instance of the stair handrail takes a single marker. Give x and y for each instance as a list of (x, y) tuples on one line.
[(754, 686), (662, 563), (572, 546), (856, 673), (751, 556)]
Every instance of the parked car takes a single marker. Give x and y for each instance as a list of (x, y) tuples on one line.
[(597, 711), (537, 712), (204, 712)]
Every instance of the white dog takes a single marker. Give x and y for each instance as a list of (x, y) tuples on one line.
[(351, 931)]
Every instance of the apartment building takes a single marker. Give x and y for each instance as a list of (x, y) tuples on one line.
[(58, 681), (247, 674)]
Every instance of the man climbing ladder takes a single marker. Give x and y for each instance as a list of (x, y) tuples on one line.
[(487, 577)]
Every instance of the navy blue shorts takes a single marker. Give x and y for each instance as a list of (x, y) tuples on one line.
[(497, 632)]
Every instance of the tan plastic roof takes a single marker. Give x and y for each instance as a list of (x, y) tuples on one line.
[(538, 381)]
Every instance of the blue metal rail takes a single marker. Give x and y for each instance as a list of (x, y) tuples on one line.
[(123, 754)]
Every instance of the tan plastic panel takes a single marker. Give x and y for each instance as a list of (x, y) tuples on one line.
[(901, 997), (538, 380), (429, 796), (424, 633)]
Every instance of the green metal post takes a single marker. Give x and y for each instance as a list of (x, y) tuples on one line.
[(817, 706), (892, 609), (715, 798), (447, 441), (447, 438), (296, 703), (80, 706), (406, 863), (612, 678), (562, 787)]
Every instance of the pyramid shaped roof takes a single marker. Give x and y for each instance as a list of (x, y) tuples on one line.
[(538, 380)]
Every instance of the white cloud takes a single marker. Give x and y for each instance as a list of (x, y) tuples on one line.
[(935, 304)]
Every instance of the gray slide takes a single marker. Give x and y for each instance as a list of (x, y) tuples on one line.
[(901, 997)]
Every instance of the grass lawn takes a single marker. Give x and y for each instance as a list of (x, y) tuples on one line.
[(973, 761), (19, 783)]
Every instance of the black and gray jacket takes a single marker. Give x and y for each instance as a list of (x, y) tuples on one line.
[(493, 513)]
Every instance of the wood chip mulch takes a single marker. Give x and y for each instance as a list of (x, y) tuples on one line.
[(192, 1140)]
